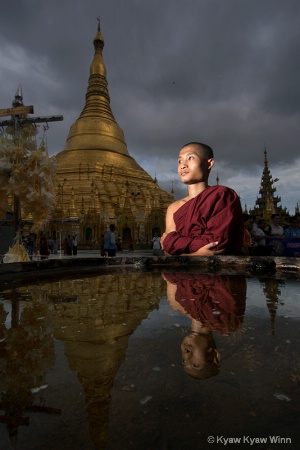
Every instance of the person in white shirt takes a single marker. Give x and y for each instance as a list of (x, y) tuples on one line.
[(155, 244), (275, 230), (261, 249)]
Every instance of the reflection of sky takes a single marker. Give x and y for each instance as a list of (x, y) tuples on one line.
[(162, 319), (288, 301), (7, 308)]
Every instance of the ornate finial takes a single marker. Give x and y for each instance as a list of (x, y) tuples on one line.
[(217, 179), (98, 18), (172, 191), (18, 100), (265, 152)]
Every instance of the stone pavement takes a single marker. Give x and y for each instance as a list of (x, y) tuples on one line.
[(90, 260), (96, 254)]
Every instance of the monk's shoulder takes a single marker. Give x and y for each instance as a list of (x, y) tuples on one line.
[(221, 190), (176, 205)]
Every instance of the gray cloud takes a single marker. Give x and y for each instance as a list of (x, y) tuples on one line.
[(222, 72)]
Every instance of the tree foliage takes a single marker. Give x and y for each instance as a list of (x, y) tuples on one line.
[(27, 173)]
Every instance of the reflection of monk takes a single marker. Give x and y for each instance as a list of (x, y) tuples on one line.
[(213, 303)]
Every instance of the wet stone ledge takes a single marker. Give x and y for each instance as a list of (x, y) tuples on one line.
[(242, 264)]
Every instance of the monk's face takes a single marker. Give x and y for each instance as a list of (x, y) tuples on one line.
[(199, 355), (193, 167)]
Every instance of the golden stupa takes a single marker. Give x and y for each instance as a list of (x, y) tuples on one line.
[(98, 182)]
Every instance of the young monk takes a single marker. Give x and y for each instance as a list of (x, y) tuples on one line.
[(209, 220)]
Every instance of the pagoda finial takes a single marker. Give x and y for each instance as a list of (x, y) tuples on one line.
[(266, 155), (98, 18), (18, 100)]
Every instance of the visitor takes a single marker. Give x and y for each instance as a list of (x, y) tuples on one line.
[(50, 245), (74, 245), (209, 220), (55, 246), (255, 222), (119, 244), (110, 245), (275, 230), (293, 231), (44, 249), (69, 245), (260, 248), (66, 247), (131, 249), (155, 242), (30, 247)]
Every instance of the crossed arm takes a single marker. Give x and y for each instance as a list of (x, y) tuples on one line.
[(206, 250)]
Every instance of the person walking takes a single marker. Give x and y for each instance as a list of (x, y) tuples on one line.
[(74, 245), (110, 245)]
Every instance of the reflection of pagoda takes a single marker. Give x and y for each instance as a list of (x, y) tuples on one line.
[(267, 202), (94, 317), (272, 292), (95, 330)]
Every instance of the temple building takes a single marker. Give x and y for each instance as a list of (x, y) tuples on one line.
[(267, 202), (98, 182)]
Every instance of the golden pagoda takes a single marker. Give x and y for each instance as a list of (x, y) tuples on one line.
[(98, 182)]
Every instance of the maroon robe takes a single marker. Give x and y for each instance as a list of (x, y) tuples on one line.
[(213, 215), (218, 302)]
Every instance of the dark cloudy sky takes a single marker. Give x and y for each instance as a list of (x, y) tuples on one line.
[(223, 72)]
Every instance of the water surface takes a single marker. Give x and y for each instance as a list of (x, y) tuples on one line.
[(138, 360)]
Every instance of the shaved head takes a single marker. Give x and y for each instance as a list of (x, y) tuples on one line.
[(204, 150)]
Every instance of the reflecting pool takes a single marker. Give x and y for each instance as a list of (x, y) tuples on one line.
[(148, 361)]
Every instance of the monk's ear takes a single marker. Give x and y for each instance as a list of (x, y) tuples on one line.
[(211, 162)]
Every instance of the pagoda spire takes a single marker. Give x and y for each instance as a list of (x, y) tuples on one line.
[(267, 201), (96, 128)]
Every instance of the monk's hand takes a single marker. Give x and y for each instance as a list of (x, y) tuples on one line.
[(207, 250)]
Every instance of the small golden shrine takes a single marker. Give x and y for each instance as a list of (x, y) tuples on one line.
[(267, 203), (98, 182)]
